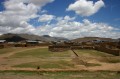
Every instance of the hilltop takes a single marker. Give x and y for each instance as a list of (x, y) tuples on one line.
[(85, 39), (21, 37)]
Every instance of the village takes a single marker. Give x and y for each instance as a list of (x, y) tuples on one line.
[(106, 45), (41, 55)]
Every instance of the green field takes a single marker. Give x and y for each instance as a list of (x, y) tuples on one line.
[(47, 59), (8, 50), (42, 53), (92, 53), (59, 75), (44, 59), (61, 60)]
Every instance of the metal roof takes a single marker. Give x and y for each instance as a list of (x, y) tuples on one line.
[(31, 41), (2, 40)]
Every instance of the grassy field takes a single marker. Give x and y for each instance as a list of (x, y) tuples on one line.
[(7, 50), (47, 59), (92, 53), (59, 75), (42, 53), (61, 60), (44, 59), (60, 64)]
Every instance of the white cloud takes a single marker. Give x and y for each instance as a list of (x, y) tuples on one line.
[(73, 29), (68, 18), (86, 7), (44, 11), (39, 2), (17, 13), (46, 17)]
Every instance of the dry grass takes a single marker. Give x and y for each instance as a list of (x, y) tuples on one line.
[(32, 58), (60, 64), (59, 75), (8, 50)]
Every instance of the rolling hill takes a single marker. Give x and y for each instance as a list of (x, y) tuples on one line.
[(85, 39), (21, 37)]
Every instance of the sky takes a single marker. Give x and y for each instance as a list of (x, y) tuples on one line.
[(61, 18)]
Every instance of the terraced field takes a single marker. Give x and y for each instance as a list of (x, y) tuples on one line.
[(40, 59)]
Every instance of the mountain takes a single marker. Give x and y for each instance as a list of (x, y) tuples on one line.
[(84, 39), (49, 38), (21, 37)]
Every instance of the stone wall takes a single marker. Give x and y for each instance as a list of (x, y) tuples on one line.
[(115, 52), (101, 48)]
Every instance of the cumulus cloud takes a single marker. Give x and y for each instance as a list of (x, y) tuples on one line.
[(86, 28), (46, 18), (39, 2), (68, 18), (17, 13), (74, 29), (86, 7)]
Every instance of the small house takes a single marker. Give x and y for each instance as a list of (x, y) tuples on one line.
[(97, 41), (31, 42), (2, 41)]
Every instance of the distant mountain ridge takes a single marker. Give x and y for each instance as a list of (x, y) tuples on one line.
[(10, 37), (84, 39), (21, 37)]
